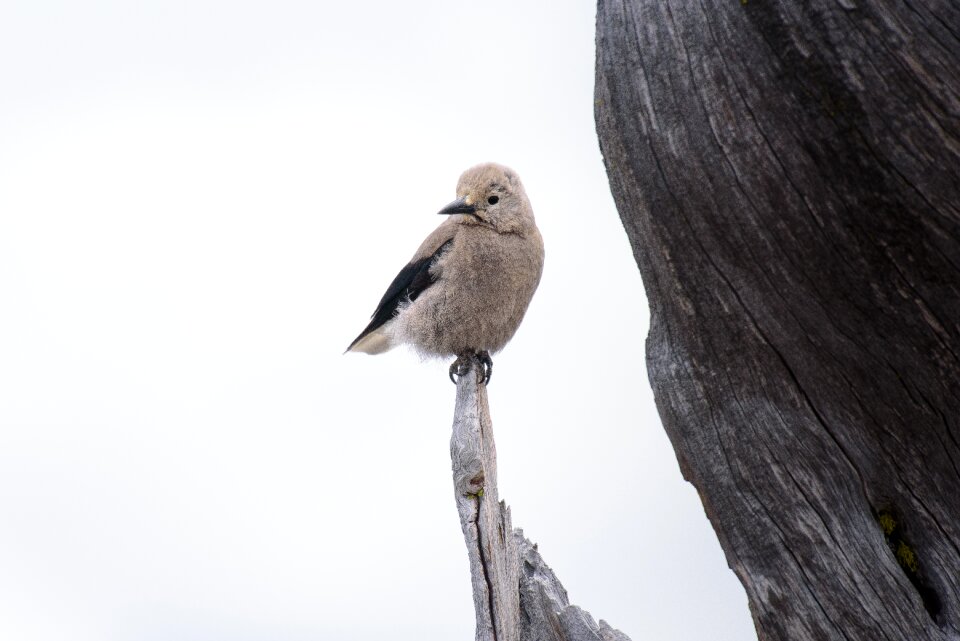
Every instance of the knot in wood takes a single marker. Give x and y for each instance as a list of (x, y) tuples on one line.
[(476, 483)]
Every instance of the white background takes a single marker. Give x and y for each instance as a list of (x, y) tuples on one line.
[(200, 205)]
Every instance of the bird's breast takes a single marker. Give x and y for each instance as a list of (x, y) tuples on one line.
[(484, 284)]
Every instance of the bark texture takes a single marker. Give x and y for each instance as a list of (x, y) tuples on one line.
[(516, 595), (788, 174)]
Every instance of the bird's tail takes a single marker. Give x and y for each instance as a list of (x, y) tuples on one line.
[(376, 342)]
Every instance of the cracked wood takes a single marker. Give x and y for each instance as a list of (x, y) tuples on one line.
[(788, 174), (517, 597)]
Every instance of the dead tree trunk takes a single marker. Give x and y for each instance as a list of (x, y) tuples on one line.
[(516, 596), (788, 173)]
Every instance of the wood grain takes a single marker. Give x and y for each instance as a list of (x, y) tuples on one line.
[(517, 597), (788, 174)]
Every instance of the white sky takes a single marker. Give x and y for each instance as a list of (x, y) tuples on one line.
[(200, 205)]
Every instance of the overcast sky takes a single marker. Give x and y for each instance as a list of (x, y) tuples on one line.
[(200, 205)]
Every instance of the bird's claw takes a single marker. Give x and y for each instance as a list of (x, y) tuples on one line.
[(465, 361), (460, 367), (487, 363)]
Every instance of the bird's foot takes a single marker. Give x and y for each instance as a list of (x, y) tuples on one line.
[(487, 363), (460, 366), (465, 361)]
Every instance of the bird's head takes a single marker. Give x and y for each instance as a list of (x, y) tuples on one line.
[(491, 195)]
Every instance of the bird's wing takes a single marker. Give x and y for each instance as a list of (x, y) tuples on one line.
[(413, 280)]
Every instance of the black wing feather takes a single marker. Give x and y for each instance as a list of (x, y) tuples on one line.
[(413, 280)]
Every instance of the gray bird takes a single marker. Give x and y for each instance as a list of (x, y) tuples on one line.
[(466, 289)]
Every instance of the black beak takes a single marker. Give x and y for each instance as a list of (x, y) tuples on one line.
[(459, 206)]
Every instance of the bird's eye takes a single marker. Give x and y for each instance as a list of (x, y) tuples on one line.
[(493, 200)]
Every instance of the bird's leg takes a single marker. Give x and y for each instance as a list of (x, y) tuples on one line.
[(461, 366), (487, 363)]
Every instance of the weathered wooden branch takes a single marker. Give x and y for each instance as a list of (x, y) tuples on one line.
[(516, 596), (484, 519), (788, 174)]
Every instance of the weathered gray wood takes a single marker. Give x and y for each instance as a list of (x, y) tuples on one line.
[(546, 612), (484, 519), (515, 595), (788, 174)]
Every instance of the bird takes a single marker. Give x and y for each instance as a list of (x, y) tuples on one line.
[(469, 284)]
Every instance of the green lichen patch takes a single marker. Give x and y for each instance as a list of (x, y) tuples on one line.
[(887, 523), (908, 560), (902, 551)]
